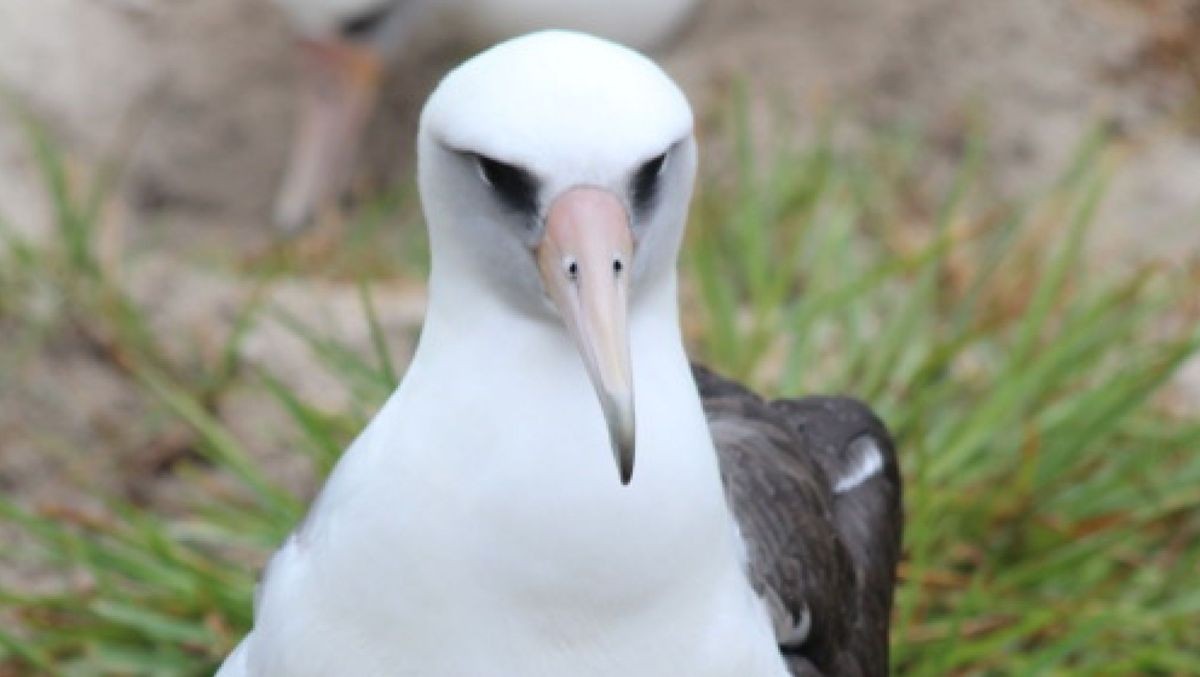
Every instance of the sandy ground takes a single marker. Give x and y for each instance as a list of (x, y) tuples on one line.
[(196, 97)]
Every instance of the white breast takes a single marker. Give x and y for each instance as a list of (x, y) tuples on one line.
[(442, 547)]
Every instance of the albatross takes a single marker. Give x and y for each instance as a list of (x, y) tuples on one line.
[(554, 489), (345, 45)]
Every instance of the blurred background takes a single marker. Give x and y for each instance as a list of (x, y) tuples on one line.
[(984, 218)]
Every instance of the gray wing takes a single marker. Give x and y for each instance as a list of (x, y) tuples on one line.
[(815, 489)]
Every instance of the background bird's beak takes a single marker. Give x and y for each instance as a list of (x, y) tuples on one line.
[(338, 93), (584, 259)]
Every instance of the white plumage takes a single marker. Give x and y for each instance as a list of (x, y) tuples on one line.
[(476, 526)]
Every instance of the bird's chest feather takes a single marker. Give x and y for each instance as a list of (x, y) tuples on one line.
[(392, 621), (528, 568)]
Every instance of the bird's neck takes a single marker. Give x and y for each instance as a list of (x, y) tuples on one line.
[(512, 442), (485, 495)]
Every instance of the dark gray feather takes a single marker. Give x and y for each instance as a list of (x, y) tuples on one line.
[(815, 489)]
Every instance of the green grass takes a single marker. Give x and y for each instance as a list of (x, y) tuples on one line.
[(1051, 496)]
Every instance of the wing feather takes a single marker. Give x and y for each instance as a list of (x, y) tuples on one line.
[(814, 487)]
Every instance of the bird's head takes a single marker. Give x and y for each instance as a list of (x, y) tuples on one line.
[(556, 170)]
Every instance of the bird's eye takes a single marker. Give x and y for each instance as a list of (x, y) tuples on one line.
[(516, 187), (645, 182), (361, 25)]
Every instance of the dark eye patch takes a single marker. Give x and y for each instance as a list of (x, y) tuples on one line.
[(516, 187), (645, 184), (362, 25)]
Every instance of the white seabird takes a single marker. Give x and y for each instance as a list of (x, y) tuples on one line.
[(477, 526), (345, 45)]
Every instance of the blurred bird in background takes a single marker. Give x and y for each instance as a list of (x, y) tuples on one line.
[(346, 45)]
